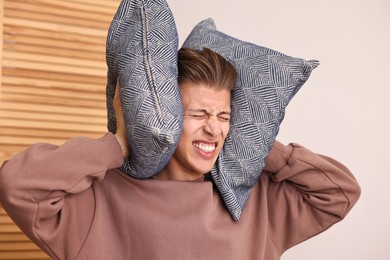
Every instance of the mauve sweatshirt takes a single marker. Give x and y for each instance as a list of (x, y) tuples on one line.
[(74, 203)]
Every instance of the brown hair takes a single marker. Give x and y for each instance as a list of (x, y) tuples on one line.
[(207, 67)]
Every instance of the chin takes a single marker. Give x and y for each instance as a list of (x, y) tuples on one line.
[(204, 170), (203, 167)]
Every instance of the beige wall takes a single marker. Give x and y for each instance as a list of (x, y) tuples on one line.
[(342, 111)]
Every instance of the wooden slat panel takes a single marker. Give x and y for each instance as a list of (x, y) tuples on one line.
[(46, 8), (28, 140), (5, 220), (52, 126), (109, 4), (55, 16), (17, 237), (43, 133), (54, 27), (36, 99), (50, 109), (23, 44), (50, 92), (1, 41), (54, 118), (53, 68), (36, 34), (20, 246), (9, 228), (11, 255), (41, 58), (7, 151), (82, 54), (52, 84), (61, 110), (36, 74)]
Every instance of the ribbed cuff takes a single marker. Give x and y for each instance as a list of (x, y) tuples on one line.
[(278, 157), (111, 151)]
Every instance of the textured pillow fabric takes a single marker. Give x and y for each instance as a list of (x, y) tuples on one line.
[(142, 55), (267, 80)]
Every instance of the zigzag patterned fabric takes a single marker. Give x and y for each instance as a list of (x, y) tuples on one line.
[(267, 80), (141, 54)]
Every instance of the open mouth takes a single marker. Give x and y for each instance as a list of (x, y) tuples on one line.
[(207, 148)]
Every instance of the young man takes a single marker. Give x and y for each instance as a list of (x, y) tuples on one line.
[(75, 204)]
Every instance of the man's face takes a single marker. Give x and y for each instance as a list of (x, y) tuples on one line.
[(205, 127)]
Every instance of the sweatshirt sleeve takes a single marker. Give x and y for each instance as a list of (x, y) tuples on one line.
[(307, 193), (38, 187)]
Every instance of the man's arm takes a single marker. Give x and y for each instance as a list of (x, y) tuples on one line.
[(307, 193), (38, 187)]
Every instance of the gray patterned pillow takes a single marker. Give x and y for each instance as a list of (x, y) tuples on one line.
[(142, 55), (267, 80)]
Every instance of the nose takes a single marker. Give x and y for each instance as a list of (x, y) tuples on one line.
[(212, 127)]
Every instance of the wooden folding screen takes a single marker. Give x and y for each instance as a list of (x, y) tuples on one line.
[(52, 84)]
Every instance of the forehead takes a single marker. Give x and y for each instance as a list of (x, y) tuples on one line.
[(201, 96)]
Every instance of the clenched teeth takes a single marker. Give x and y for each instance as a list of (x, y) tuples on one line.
[(205, 147)]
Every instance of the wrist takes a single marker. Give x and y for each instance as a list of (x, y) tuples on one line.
[(277, 157), (123, 144)]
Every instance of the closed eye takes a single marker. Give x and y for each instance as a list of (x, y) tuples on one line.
[(198, 116), (224, 118)]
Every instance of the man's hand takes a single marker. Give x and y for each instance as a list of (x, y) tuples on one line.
[(120, 124)]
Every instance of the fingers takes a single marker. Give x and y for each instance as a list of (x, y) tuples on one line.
[(120, 125)]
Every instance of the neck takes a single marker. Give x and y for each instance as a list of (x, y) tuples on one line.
[(178, 174)]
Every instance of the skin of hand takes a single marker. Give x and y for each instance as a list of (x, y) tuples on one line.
[(120, 125)]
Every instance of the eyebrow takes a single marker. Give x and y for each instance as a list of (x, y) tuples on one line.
[(207, 112)]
